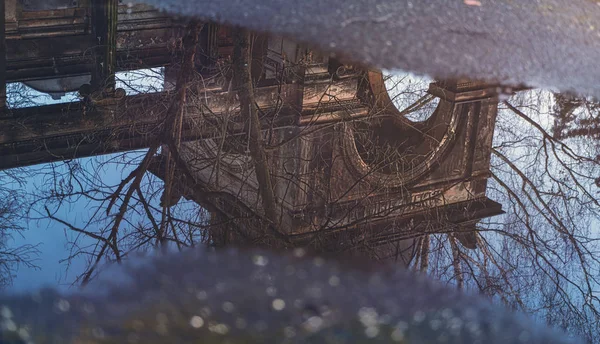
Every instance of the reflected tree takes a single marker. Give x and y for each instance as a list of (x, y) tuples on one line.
[(540, 257), (13, 207)]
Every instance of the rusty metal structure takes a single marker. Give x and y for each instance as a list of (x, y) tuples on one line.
[(342, 156)]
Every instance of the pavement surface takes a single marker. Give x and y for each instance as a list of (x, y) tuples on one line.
[(255, 296), (539, 43)]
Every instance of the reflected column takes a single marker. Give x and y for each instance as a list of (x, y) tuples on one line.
[(104, 30)]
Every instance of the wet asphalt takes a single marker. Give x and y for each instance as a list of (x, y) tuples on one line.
[(540, 43)]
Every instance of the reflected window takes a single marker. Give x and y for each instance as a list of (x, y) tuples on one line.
[(59, 88), (141, 81), (21, 95)]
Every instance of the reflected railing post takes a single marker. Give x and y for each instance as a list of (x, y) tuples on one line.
[(104, 29)]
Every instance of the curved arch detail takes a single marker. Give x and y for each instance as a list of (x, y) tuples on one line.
[(438, 135)]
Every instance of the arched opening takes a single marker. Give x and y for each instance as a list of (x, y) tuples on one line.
[(391, 148), (408, 94), (407, 135)]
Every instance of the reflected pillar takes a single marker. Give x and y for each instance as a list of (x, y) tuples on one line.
[(104, 30)]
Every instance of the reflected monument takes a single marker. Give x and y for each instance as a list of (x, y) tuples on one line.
[(350, 170)]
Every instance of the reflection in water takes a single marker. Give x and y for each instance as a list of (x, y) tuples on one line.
[(390, 147), (141, 81), (515, 138), (399, 141), (575, 116), (276, 145), (409, 95), (21, 95)]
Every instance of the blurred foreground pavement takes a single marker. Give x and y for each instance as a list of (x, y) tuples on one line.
[(261, 297)]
